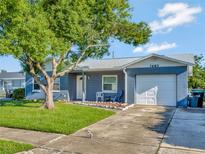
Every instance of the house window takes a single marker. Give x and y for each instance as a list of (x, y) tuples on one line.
[(16, 83), (109, 83), (36, 87), (56, 86)]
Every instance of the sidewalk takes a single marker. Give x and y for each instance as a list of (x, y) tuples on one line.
[(35, 138)]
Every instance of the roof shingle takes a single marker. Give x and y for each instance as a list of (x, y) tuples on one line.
[(118, 63)]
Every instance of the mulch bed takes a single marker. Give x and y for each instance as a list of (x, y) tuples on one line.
[(110, 105)]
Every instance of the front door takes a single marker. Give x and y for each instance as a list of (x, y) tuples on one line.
[(79, 86)]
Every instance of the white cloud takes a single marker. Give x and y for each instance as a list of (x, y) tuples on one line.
[(154, 47), (138, 49), (173, 15)]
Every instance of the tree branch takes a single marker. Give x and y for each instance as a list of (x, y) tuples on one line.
[(32, 71), (54, 65), (62, 57), (43, 71), (79, 59)]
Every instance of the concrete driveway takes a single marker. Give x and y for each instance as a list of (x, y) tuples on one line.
[(186, 133), (138, 130)]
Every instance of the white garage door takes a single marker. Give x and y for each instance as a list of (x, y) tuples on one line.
[(156, 90)]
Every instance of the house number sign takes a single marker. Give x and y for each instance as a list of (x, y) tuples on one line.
[(154, 65)]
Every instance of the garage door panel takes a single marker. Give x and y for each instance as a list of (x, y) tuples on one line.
[(156, 89)]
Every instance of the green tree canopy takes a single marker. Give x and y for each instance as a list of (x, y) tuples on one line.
[(64, 32), (198, 78)]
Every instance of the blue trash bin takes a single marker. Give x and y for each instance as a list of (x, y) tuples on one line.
[(200, 93), (194, 101)]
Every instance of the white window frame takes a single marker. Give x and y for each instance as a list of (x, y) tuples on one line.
[(109, 91), (34, 90)]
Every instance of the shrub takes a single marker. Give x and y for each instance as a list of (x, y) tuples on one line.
[(18, 93)]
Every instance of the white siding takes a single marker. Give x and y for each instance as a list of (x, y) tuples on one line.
[(155, 61), (190, 70)]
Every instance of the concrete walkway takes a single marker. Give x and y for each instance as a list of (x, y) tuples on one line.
[(32, 137), (138, 130)]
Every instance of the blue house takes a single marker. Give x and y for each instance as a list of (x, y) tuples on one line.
[(149, 80)]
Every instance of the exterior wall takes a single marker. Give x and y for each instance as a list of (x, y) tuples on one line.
[(130, 87), (132, 72), (67, 88), (30, 94), (71, 86), (94, 83), (68, 84), (29, 85), (190, 70), (182, 88), (155, 61)]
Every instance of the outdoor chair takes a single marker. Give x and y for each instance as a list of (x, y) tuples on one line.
[(99, 95), (118, 97)]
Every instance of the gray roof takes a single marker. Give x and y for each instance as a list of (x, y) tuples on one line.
[(183, 57), (118, 63), (11, 75), (115, 63)]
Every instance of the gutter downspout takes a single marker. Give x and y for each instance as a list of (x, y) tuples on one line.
[(124, 71), (83, 84)]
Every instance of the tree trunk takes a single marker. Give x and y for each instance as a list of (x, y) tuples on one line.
[(49, 103)]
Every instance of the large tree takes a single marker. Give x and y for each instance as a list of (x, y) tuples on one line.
[(198, 78), (64, 33)]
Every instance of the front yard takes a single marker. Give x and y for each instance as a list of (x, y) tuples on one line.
[(10, 147), (64, 119)]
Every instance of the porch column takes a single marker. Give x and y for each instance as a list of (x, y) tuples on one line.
[(84, 69), (3, 84), (124, 70), (83, 86)]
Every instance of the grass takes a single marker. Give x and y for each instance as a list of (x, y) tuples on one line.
[(64, 119), (10, 147)]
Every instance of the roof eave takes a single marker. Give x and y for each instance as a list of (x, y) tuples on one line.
[(98, 70), (159, 56)]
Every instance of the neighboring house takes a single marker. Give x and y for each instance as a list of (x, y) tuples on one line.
[(11, 80), (151, 80)]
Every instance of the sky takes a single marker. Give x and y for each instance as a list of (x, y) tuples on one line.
[(178, 27)]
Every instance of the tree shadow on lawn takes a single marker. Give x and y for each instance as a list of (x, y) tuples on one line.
[(179, 131), (21, 103)]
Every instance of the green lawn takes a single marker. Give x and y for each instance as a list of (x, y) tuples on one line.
[(65, 118), (10, 147)]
